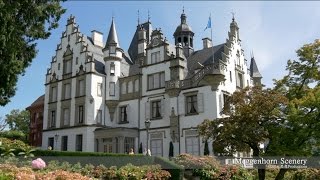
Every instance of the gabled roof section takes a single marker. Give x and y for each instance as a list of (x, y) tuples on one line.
[(112, 36), (133, 48), (37, 102), (204, 57), (254, 71)]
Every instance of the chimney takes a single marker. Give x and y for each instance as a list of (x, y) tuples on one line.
[(207, 43), (97, 38)]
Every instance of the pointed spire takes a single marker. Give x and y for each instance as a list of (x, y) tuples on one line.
[(112, 37), (254, 71), (148, 16)]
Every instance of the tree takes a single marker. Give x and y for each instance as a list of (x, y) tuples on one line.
[(171, 154), (206, 148), (252, 115), (140, 151), (302, 87), (22, 23), (18, 120)]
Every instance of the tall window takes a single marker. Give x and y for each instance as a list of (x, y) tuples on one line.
[(240, 80), (123, 114), (130, 87), (80, 114), (128, 144), (81, 88), (192, 104), (124, 88), (53, 119), (155, 57), (67, 66), (156, 81), (112, 89), (99, 89), (156, 147), (67, 91), (112, 69), (66, 116), (79, 142), (156, 109), (53, 94), (99, 116), (51, 142), (64, 143), (192, 145), (136, 85), (112, 49)]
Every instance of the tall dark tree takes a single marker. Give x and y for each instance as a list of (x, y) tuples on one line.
[(22, 23), (140, 151), (171, 154), (206, 151)]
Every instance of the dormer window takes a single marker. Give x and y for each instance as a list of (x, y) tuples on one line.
[(112, 69)]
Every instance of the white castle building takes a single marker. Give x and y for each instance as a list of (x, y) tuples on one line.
[(99, 96)]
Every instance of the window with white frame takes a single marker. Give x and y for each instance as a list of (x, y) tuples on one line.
[(192, 145), (64, 143), (128, 144), (79, 139), (192, 104), (80, 114), (112, 69), (53, 119), (99, 116), (99, 89), (112, 87), (123, 114), (156, 81), (66, 116), (53, 94), (81, 87), (156, 109), (67, 66), (67, 91), (155, 57)]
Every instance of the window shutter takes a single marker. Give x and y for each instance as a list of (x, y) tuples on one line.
[(162, 108), (200, 103), (147, 110), (181, 105)]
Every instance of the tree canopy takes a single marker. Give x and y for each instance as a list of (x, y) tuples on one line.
[(18, 120), (22, 23)]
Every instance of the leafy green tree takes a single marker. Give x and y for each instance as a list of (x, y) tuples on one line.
[(18, 120), (22, 24), (251, 114), (302, 87)]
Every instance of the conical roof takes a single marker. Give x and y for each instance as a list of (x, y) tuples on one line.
[(112, 36), (254, 71)]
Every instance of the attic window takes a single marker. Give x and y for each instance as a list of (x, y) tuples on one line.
[(112, 69)]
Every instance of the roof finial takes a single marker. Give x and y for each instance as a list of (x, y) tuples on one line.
[(182, 9), (232, 16), (138, 17), (112, 15), (148, 16)]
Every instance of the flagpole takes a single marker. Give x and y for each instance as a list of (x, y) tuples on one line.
[(211, 40)]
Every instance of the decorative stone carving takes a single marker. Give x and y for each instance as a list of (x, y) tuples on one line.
[(112, 105)]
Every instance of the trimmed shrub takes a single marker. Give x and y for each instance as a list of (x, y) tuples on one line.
[(175, 170)]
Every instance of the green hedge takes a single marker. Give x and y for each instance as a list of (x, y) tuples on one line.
[(175, 170)]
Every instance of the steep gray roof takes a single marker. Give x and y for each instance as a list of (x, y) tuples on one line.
[(204, 56), (133, 48), (112, 36), (99, 67), (254, 71), (134, 70)]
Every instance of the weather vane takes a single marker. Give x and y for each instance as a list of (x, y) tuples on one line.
[(233, 13)]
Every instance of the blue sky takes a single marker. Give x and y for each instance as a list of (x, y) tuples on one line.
[(272, 30)]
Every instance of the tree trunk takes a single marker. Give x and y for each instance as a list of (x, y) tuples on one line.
[(261, 172), (281, 174)]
